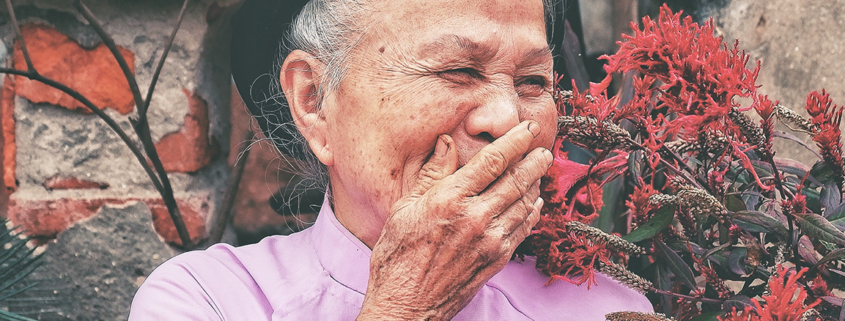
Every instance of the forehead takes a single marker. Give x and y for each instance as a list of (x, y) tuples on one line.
[(416, 23)]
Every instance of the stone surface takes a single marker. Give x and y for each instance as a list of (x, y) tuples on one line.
[(799, 43), (96, 266), (598, 37), (194, 210), (94, 73), (189, 149), (44, 215)]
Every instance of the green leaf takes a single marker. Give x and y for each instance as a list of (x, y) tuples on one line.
[(839, 223), (4, 315), (736, 261), (830, 197), (738, 302), (657, 223), (676, 264), (835, 213), (613, 198), (813, 199), (818, 227), (734, 203), (709, 316), (759, 222), (832, 256)]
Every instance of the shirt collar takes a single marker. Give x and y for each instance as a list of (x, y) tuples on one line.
[(342, 255)]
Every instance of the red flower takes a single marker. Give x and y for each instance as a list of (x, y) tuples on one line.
[(641, 208), (827, 118), (765, 108), (782, 303), (565, 255)]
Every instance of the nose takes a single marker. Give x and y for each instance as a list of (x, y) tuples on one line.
[(495, 115)]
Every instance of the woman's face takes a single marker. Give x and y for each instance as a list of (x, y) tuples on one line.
[(470, 69)]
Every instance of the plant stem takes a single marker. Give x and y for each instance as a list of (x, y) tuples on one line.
[(142, 111), (142, 128), (19, 36), (109, 42), (97, 111), (224, 216), (670, 166), (691, 298), (770, 157)]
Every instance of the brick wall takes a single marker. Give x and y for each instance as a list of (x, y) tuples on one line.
[(70, 183)]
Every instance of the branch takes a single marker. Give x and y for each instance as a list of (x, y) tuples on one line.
[(224, 216), (109, 42), (97, 111), (770, 157), (691, 298), (669, 165), (142, 129), (142, 110), (680, 161), (29, 66)]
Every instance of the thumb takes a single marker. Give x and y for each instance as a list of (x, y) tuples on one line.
[(443, 162)]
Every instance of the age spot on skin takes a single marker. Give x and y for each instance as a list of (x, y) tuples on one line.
[(381, 50)]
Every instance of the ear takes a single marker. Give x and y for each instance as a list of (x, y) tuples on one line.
[(300, 79)]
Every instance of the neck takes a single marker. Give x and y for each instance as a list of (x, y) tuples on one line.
[(359, 219)]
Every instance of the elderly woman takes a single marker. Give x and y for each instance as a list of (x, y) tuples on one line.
[(432, 121)]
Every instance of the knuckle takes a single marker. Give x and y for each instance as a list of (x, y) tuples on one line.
[(494, 162), (428, 172), (521, 179)]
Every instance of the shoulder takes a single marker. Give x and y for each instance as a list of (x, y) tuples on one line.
[(211, 282), (527, 291)]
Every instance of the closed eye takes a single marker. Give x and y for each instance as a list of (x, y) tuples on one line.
[(531, 86), (462, 76)]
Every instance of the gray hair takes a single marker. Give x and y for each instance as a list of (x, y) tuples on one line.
[(329, 30)]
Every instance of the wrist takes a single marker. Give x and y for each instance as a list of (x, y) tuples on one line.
[(376, 311)]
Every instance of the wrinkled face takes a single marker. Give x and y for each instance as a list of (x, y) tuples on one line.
[(470, 69)]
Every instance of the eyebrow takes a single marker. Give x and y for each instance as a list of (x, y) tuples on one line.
[(455, 43), (537, 56), (469, 49)]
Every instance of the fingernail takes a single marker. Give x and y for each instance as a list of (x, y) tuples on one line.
[(441, 147), (539, 202), (534, 128), (549, 157)]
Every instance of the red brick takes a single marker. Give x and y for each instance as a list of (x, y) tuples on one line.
[(44, 219), (7, 122), (189, 149), (61, 182), (94, 73), (194, 211)]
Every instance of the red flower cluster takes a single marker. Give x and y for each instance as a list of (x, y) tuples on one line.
[(780, 305), (699, 75), (827, 118), (641, 209), (571, 195)]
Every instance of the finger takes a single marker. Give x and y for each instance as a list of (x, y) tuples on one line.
[(516, 181), (503, 224), (443, 162), (486, 166), (523, 230)]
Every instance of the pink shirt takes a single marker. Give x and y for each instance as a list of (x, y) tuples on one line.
[(321, 274)]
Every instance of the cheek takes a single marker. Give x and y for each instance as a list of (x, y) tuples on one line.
[(544, 113)]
